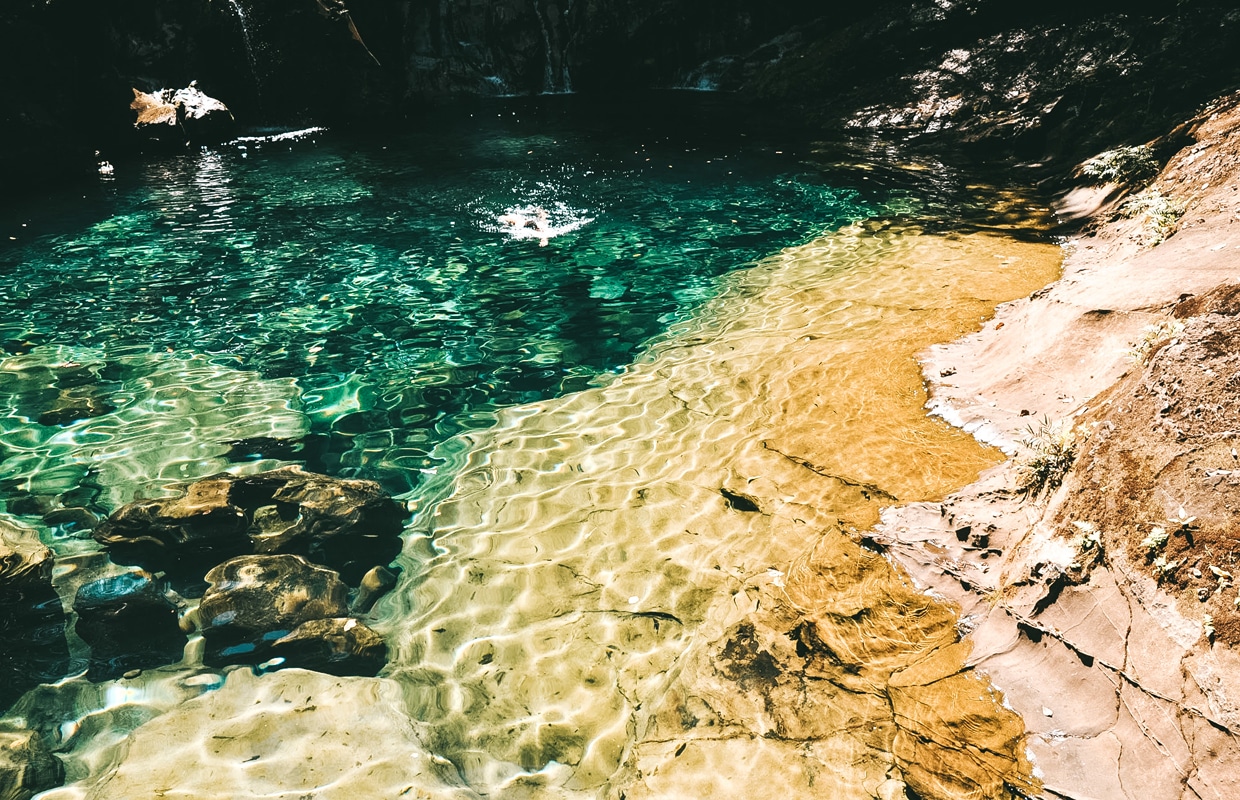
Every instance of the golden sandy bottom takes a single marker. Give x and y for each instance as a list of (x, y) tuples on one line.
[(649, 586), (654, 588)]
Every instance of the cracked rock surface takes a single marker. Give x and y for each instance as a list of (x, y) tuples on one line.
[(1106, 610)]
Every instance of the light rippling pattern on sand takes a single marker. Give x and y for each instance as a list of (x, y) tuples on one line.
[(653, 588), (594, 549), (168, 419)]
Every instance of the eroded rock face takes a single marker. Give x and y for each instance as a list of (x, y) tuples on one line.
[(348, 525), (32, 613), (254, 601), (1159, 477), (1097, 632)]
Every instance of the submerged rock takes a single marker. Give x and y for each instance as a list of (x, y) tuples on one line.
[(283, 608), (181, 116), (178, 533), (27, 767), (375, 583), (337, 646), (25, 562), (291, 733), (129, 623), (348, 525), (74, 404), (255, 600), (32, 640), (175, 415), (869, 680)]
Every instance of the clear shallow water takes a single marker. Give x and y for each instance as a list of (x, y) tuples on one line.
[(352, 302), (376, 274)]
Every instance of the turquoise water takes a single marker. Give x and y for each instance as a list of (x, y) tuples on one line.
[(357, 292), (354, 300)]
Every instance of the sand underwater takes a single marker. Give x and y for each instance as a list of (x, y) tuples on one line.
[(657, 586)]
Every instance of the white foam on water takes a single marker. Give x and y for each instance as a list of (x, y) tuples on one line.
[(538, 222), (287, 136)]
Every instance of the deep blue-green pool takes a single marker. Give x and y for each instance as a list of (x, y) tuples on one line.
[(371, 277)]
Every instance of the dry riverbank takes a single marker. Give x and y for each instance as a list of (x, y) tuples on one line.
[(1105, 609)]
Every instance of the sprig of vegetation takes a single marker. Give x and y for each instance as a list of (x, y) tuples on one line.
[(1153, 337), (1090, 538), (1052, 451), (1163, 567), (1182, 522), (1224, 578), (1161, 213), (1156, 540), (1123, 165), (1088, 545)]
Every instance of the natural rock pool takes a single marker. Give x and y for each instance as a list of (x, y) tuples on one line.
[(638, 445)]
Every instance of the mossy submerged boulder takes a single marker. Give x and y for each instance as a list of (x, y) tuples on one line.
[(347, 525)]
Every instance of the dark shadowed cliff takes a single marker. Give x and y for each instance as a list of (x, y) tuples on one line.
[(1057, 78)]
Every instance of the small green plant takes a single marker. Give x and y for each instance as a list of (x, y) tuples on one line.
[(1091, 537), (1223, 577), (1052, 451), (1207, 626), (1153, 337), (1123, 165), (1163, 567), (1182, 521), (1088, 545), (1161, 213), (1155, 541)]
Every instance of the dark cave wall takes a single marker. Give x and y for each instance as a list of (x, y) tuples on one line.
[(1059, 78)]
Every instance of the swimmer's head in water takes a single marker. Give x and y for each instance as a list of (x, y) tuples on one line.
[(536, 222)]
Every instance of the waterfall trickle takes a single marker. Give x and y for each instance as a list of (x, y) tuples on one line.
[(555, 72), (246, 37)]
